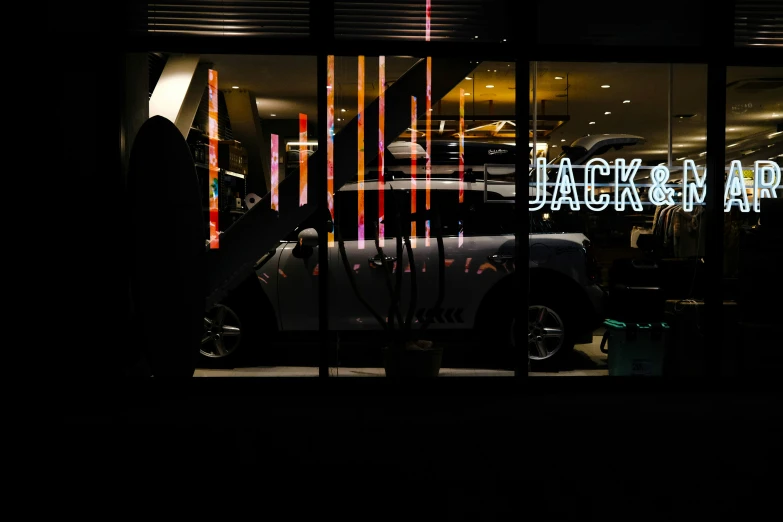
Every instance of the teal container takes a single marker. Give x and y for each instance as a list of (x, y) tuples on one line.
[(635, 348)]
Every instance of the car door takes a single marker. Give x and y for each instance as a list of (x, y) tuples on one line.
[(347, 312)]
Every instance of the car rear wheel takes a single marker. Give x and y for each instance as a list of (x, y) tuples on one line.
[(222, 332), (236, 329)]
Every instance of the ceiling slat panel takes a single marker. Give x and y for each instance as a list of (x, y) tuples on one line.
[(451, 20), (758, 23), (268, 18)]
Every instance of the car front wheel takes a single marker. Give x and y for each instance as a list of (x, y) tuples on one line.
[(546, 333), (222, 332)]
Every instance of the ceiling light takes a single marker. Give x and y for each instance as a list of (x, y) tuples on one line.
[(731, 129), (504, 39), (489, 86), (342, 110), (774, 134), (702, 153), (733, 145), (680, 159), (703, 137), (591, 123), (607, 112), (235, 87), (273, 115), (430, 110), (558, 77), (494, 70), (605, 86), (467, 94), (626, 101), (468, 78), (552, 146), (475, 36), (562, 140), (339, 119)]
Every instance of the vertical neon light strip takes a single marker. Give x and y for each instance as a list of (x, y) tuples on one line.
[(461, 156), (461, 145), (429, 17), (302, 159), (330, 140), (428, 129), (274, 173), (360, 149), (381, 144), (212, 117), (413, 170)]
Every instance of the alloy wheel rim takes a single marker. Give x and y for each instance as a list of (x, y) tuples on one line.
[(222, 332), (545, 332)]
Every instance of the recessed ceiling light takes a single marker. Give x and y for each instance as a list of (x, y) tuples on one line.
[(430, 110), (703, 138), (605, 86), (733, 145), (626, 101), (273, 114), (558, 77), (235, 86), (494, 70), (607, 112), (702, 153), (475, 36), (504, 39), (552, 146), (489, 86), (680, 159), (731, 129), (468, 77), (467, 94), (562, 140), (339, 119), (342, 110), (591, 123)]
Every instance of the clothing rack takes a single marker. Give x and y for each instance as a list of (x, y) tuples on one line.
[(680, 233)]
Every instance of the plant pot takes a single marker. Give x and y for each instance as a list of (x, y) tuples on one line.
[(413, 362)]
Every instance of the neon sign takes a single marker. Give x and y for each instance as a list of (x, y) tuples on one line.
[(565, 190)]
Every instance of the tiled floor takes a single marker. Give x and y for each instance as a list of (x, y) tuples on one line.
[(591, 362)]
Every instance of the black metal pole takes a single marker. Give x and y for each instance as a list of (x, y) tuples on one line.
[(720, 38), (521, 215), (322, 29)]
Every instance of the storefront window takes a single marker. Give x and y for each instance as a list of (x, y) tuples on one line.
[(423, 247), (615, 245), (250, 123), (752, 219)]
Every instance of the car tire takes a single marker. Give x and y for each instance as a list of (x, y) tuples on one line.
[(551, 333), (498, 327), (237, 329)]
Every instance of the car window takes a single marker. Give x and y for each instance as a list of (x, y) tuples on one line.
[(346, 208)]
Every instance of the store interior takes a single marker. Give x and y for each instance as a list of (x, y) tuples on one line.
[(663, 106)]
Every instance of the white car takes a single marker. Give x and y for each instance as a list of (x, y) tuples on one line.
[(566, 302)]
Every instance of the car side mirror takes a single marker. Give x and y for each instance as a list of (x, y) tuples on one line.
[(308, 238)]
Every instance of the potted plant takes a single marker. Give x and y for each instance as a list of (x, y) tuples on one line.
[(406, 353)]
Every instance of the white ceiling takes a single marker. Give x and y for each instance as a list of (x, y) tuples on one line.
[(286, 86)]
